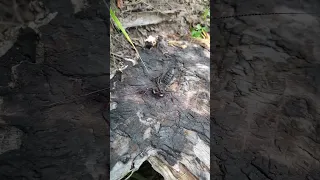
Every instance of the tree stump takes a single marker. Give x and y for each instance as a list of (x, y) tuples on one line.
[(171, 132)]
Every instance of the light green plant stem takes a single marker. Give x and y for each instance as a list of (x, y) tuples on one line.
[(119, 25)]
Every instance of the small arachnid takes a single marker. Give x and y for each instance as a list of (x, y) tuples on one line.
[(162, 82)]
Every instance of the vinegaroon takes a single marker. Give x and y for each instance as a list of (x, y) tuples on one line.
[(163, 81)]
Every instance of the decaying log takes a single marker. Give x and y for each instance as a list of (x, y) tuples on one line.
[(170, 132)]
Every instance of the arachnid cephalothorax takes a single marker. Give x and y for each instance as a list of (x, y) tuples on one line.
[(162, 82)]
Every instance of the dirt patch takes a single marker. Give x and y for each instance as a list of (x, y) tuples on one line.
[(169, 19)]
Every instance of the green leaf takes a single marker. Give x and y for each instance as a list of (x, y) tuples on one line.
[(206, 13), (206, 29), (193, 32), (198, 27), (119, 25), (196, 33)]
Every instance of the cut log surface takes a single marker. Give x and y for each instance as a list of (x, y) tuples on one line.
[(172, 132)]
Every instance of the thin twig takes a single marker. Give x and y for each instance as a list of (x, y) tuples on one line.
[(75, 98), (9, 23), (149, 6), (130, 175), (118, 55), (121, 44), (136, 3), (261, 14)]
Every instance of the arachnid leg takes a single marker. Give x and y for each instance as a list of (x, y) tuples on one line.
[(172, 96), (160, 94), (157, 92), (154, 91)]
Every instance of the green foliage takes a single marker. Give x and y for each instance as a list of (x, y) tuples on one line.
[(119, 26), (198, 31), (124, 32), (206, 14)]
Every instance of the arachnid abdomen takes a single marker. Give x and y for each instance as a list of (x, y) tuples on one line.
[(168, 76)]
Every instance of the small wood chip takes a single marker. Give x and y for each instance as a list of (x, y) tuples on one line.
[(120, 4)]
